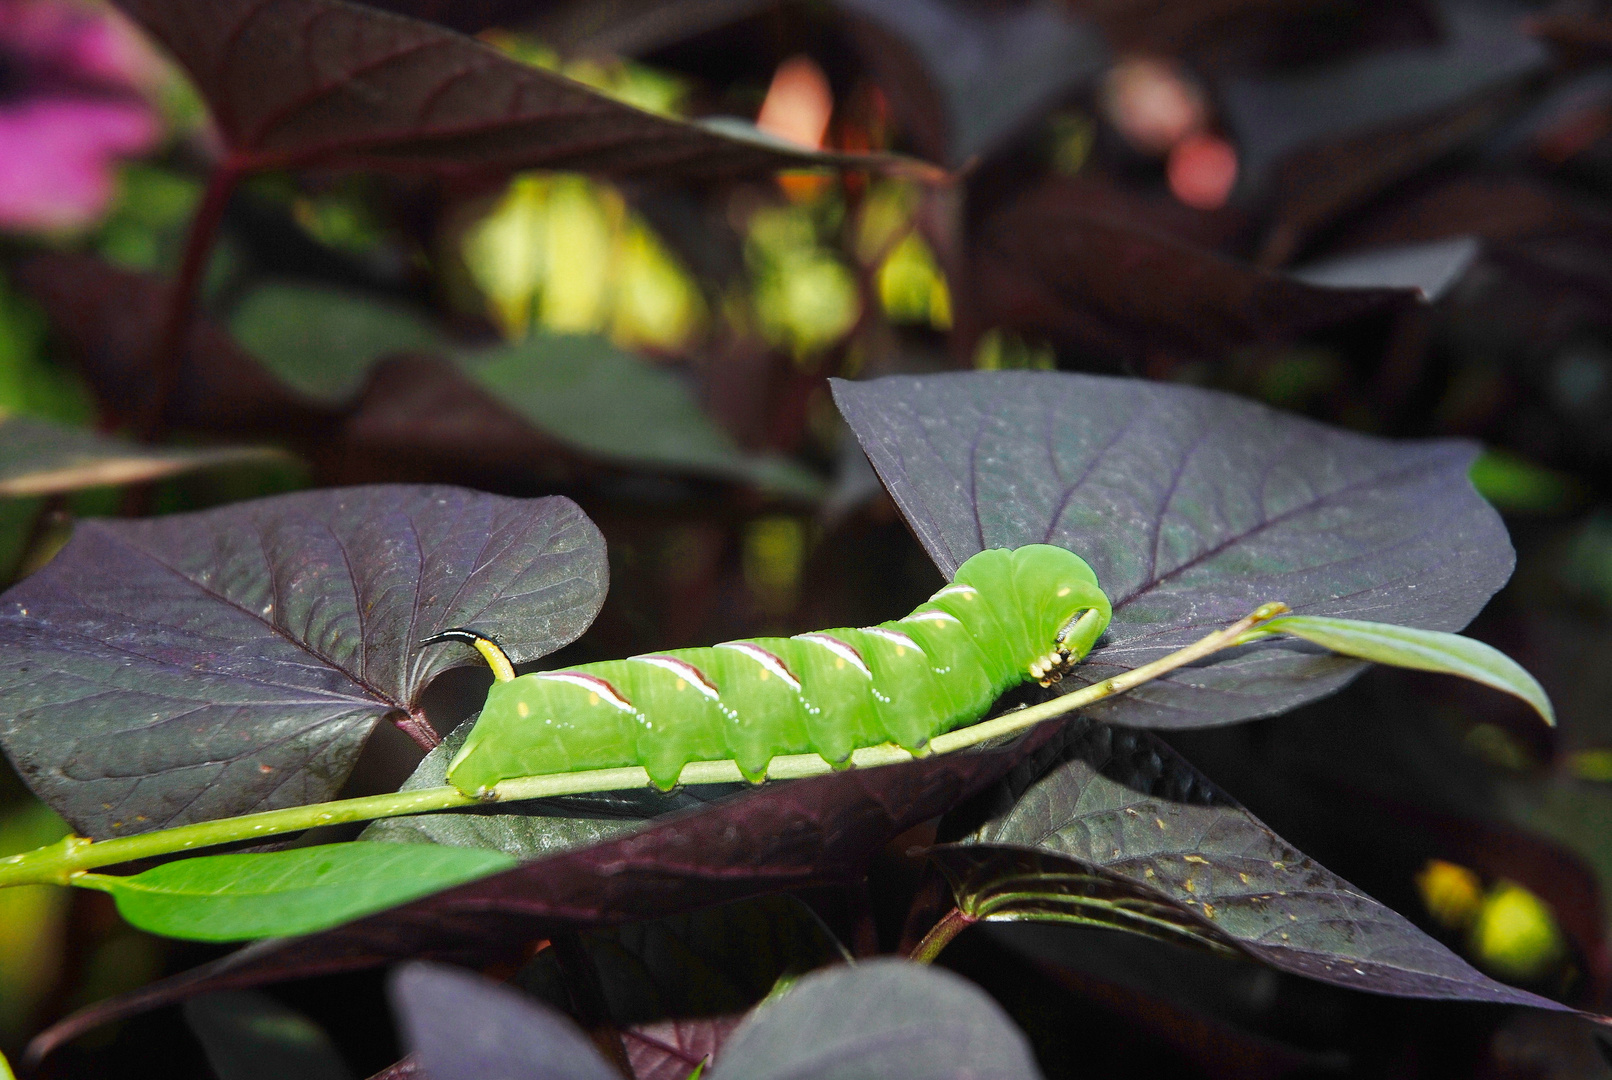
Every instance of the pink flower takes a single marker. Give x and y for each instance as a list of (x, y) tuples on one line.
[(70, 107)]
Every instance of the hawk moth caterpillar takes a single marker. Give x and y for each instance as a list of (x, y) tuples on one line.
[(1008, 616)]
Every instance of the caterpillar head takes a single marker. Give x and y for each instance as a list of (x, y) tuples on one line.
[(1064, 608), (1040, 605)]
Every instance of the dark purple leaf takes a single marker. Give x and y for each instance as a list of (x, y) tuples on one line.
[(781, 837), (1481, 46), (1194, 507), (1122, 831), (298, 83), (994, 66), (670, 1049), (1085, 263), (1330, 136), (882, 1018), (192, 667), (460, 1026), (404, 1068), (1430, 268)]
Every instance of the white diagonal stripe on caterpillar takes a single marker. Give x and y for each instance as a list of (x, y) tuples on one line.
[(842, 649), (597, 685), (771, 662), (683, 670)]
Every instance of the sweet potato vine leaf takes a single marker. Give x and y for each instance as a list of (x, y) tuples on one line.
[(191, 667), (38, 457), (1194, 507), (1112, 827), (299, 83)]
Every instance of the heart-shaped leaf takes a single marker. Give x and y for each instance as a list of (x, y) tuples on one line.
[(781, 837), (881, 1019), (1169, 853), (191, 667), (460, 1026), (1194, 507), (280, 893), (299, 83), (41, 458)]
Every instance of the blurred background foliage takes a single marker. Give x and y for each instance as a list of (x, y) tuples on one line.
[(1395, 217)]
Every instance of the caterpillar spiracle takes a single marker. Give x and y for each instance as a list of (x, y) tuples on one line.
[(1007, 617)]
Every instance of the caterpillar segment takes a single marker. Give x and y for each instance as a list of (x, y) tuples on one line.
[(1008, 616)]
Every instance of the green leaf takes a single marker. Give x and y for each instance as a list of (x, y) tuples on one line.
[(1422, 650), (323, 341), (590, 394), (1516, 485), (278, 893)]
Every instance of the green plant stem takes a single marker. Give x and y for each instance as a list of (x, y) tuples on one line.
[(62, 862), (65, 862), (940, 935)]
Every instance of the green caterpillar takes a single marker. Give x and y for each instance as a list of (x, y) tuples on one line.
[(1007, 617)]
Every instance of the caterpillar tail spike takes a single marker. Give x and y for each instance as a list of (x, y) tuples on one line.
[(490, 649)]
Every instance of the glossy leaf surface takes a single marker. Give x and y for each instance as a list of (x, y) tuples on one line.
[(283, 893), (1118, 830), (195, 666), (1194, 508), (297, 83), (882, 1019)]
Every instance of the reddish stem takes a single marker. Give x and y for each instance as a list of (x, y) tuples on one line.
[(417, 727), (940, 935), (167, 357)]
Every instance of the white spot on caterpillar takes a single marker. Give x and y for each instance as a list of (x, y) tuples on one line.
[(683, 670), (842, 649), (597, 687), (769, 663), (895, 637), (1064, 591)]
